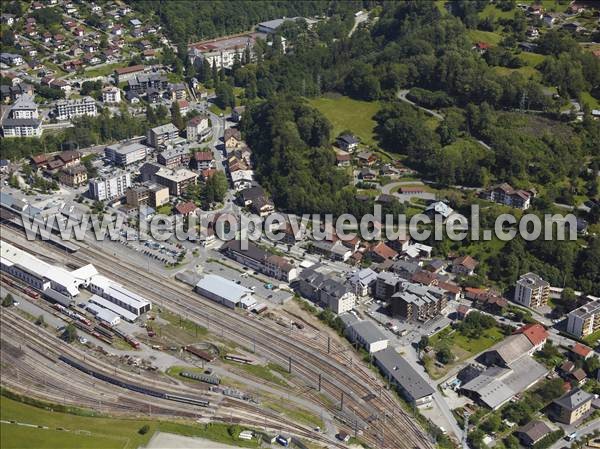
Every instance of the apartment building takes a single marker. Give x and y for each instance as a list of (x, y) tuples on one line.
[(505, 194), (324, 289), (198, 128), (176, 180), (126, 154), (532, 291), (150, 194), (418, 302), (260, 260), (585, 320), (161, 135), (68, 109), (22, 120), (221, 52), (109, 187), (572, 406), (73, 176), (111, 95), (174, 156)]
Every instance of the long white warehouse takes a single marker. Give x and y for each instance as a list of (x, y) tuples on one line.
[(119, 296), (55, 282)]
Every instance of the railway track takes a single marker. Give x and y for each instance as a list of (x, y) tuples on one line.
[(54, 388), (336, 378)]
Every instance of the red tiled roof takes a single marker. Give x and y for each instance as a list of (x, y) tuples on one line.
[(208, 172), (384, 251), (39, 159), (423, 277), (203, 156), (183, 104), (536, 333), (131, 69), (185, 208), (342, 157), (581, 350), (449, 287), (466, 261)]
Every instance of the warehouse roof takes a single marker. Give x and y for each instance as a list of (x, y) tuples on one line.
[(11, 255), (403, 374), (123, 313), (128, 297), (103, 314), (224, 288), (368, 332)]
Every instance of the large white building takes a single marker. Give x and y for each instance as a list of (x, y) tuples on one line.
[(111, 95), (532, 291), (109, 187), (225, 292), (22, 120), (113, 296), (126, 154), (223, 51), (68, 109), (54, 282)]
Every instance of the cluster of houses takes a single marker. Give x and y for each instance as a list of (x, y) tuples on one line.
[(67, 165), (239, 161)]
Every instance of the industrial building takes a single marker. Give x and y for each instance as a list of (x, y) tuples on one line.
[(225, 292), (398, 371), (55, 282), (117, 298), (102, 314), (368, 335)]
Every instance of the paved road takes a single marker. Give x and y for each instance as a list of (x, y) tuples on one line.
[(584, 430), (401, 95)]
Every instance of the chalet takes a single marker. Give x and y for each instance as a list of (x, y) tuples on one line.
[(505, 194), (366, 174), (366, 158), (202, 160), (380, 252), (342, 159), (464, 265), (581, 351), (347, 142), (481, 47)]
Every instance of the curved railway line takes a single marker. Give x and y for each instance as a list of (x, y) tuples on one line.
[(310, 362)]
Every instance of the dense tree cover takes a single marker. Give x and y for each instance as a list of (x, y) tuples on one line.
[(87, 131), (188, 20), (294, 162)]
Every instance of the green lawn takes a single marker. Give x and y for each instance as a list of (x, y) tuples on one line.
[(592, 338), (296, 413), (104, 70), (586, 97), (66, 431), (165, 209), (346, 113), (491, 11), (265, 372), (472, 345), (531, 59), (484, 36), (526, 71)]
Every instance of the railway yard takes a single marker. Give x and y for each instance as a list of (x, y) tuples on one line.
[(314, 371)]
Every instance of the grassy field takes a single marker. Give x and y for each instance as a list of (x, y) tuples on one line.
[(67, 431), (531, 59), (346, 113), (491, 11), (296, 413), (104, 70), (592, 338), (526, 71), (265, 372), (586, 97), (484, 36)]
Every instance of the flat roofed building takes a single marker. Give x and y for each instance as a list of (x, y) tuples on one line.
[(532, 291), (224, 291), (163, 134), (105, 303), (584, 320), (411, 385), (174, 156), (126, 154), (176, 180), (110, 186), (105, 315), (367, 334)]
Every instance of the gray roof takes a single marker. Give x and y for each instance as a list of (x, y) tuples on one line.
[(348, 319), (532, 280), (21, 122), (224, 288), (574, 399), (24, 102), (162, 129), (403, 374), (368, 331), (535, 430), (513, 348)]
